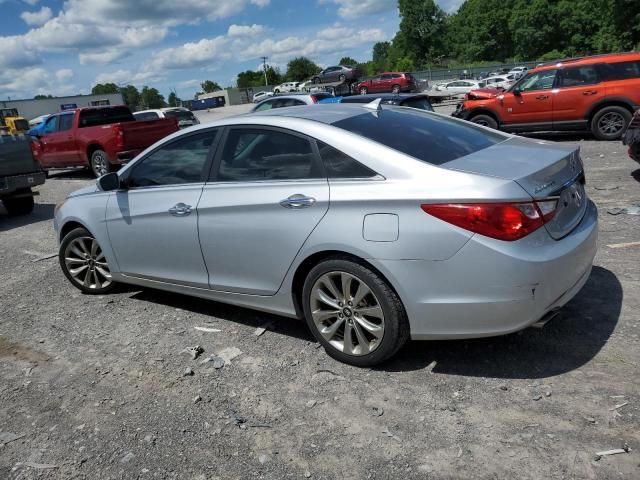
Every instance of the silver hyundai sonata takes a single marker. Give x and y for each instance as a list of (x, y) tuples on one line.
[(374, 224)]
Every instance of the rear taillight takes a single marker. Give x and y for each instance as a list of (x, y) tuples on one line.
[(119, 137), (503, 221)]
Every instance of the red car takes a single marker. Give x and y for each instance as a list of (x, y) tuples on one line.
[(394, 82), (101, 138)]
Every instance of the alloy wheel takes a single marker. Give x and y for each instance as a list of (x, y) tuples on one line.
[(347, 313), (86, 263), (100, 166), (611, 123)]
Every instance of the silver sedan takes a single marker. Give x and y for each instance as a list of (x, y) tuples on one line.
[(374, 223)]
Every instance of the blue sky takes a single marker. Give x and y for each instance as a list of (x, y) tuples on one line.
[(65, 47)]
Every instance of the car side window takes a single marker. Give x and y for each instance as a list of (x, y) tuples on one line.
[(576, 76), (385, 77), (65, 122), (181, 161), (51, 126), (622, 70), (340, 165), (538, 81), (267, 105), (254, 154)]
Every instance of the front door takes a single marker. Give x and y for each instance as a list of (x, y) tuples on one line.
[(267, 194), (532, 107), (68, 154), (577, 88), (49, 143), (153, 224)]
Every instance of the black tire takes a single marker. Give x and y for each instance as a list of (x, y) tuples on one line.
[(65, 252), (100, 164), (395, 89), (635, 152), (342, 77), (316, 80), (485, 120), (20, 205), (396, 324), (610, 123), (363, 90)]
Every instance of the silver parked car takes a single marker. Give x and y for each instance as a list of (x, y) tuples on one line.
[(292, 100), (373, 223)]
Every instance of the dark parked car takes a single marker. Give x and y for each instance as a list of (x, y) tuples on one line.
[(19, 173), (395, 82), (338, 73), (632, 137), (413, 100)]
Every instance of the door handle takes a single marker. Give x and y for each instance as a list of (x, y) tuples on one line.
[(542, 97), (298, 201), (589, 92), (180, 210)]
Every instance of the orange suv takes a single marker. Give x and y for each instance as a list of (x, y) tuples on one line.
[(598, 93)]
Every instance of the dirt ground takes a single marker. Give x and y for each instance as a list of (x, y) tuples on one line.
[(99, 387)]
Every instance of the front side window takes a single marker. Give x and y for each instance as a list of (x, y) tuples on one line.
[(340, 165), (181, 161), (51, 126), (267, 105), (537, 81), (65, 122), (577, 76), (253, 154)]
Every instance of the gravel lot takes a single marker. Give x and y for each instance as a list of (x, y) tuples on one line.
[(97, 387)]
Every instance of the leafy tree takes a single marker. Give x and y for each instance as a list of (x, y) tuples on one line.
[(301, 68), (42, 97), (422, 30), (105, 88), (252, 78), (348, 61), (209, 86), (173, 100), (131, 96), (380, 58), (151, 98)]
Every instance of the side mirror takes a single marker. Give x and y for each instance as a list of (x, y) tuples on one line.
[(516, 92), (109, 182)]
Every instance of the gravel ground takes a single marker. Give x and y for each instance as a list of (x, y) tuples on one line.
[(99, 387)]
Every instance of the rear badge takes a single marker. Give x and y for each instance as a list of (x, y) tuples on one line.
[(544, 187)]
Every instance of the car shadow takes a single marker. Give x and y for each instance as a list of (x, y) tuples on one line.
[(636, 175), (252, 318), (80, 173), (562, 136), (41, 212), (567, 342)]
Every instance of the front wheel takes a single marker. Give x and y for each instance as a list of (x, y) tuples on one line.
[(100, 163), (22, 205), (353, 312), (395, 89), (342, 77), (363, 90), (610, 123), (316, 80), (84, 264), (485, 121)]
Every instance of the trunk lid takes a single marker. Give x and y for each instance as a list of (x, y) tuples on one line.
[(544, 170)]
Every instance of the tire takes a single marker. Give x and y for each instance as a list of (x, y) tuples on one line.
[(363, 90), (316, 80), (342, 77), (610, 123), (395, 89), (100, 164), (276, 91), (80, 249), (485, 120), (635, 152), (385, 315), (21, 205)]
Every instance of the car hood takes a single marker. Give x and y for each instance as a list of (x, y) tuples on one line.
[(84, 191), (484, 93)]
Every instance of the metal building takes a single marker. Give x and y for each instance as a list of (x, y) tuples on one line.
[(31, 108)]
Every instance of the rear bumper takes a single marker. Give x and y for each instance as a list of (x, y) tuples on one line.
[(9, 185), (491, 287)]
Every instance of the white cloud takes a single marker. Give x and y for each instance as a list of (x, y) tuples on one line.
[(30, 81), (37, 18), (359, 8), (64, 75), (120, 77), (192, 54), (245, 30), (189, 84), (31, 2), (261, 3)]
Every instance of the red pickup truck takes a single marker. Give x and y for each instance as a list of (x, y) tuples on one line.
[(102, 138)]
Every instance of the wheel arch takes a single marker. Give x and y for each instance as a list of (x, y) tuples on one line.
[(92, 147), (484, 111), (623, 102), (72, 225)]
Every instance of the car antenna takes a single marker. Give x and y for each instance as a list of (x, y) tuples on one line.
[(375, 105)]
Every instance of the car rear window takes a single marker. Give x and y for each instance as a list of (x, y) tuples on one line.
[(180, 114), (105, 116), (430, 138)]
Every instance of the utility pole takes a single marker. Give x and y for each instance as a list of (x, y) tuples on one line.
[(264, 69)]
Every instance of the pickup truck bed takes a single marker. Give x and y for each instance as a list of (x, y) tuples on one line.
[(19, 172)]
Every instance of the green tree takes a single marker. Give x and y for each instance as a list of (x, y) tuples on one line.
[(42, 97), (151, 98), (380, 57), (105, 88), (173, 100), (348, 61), (301, 68), (209, 86), (422, 30), (130, 95)]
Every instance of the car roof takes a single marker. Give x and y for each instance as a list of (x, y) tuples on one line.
[(384, 96), (323, 113), (591, 60)]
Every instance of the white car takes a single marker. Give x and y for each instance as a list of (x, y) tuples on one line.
[(518, 72), (502, 81), (34, 122), (185, 117), (286, 87), (259, 96), (460, 86)]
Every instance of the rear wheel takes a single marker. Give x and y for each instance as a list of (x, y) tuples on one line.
[(353, 312), (100, 163), (485, 121), (395, 89), (342, 77), (635, 152), (20, 205), (610, 123), (363, 90), (84, 263), (316, 80)]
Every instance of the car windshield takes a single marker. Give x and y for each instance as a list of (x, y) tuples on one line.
[(427, 137)]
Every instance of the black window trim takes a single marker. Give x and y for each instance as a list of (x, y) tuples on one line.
[(215, 166), (205, 170)]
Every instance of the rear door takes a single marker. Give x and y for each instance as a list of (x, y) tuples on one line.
[(153, 225), (577, 88), (384, 85), (267, 193), (532, 109)]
